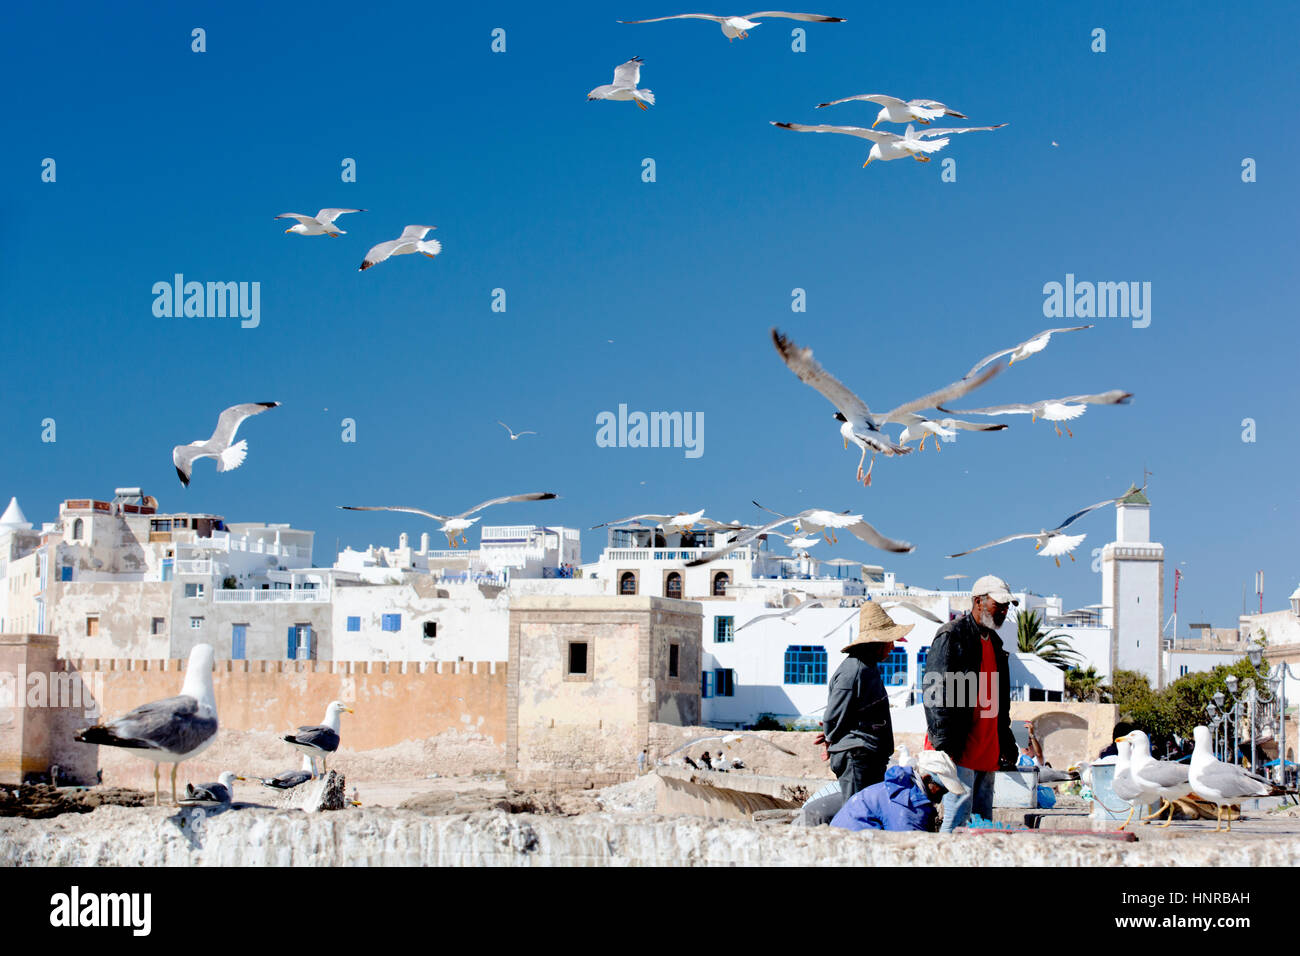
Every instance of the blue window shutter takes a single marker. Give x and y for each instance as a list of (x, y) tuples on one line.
[(311, 642), (293, 642)]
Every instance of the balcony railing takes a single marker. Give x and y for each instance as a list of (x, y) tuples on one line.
[(197, 567), (673, 554), (271, 596), (223, 541)]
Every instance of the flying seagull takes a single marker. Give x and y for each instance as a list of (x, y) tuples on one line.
[(209, 796), (894, 110), (859, 425), (1025, 349), (1051, 409), (1053, 543), (942, 428), (626, 77), (671, 523), (290, 778), (812, 521), (514, 436), (228, 456), (323, 739), (886, 146), (171, 730), (738, 27), (1223, 784), (1166, 778), (411, 240), (321, 224), (454, 526), (782, 614)]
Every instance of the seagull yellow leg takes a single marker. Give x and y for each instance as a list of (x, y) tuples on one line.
[(873, 125), (1131, 810), (869, 467), (846, 444), (1058, 562), (1071, 556), (175, 767), (1058, 430), (938, 445), (155, 784), (642, 105), (1228, 819), (1068, 432), (1171, 816), (1033, 417), (1218, 819), (1163, 803)]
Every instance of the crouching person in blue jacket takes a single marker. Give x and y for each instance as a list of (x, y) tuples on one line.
[(905, 799)]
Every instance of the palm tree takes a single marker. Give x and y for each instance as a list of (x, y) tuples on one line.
[(1032, 639), (1086, 685)]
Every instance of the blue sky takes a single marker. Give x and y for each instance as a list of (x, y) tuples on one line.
[(173, 161)]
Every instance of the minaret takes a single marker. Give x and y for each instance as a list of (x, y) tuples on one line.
[(1132, 590)]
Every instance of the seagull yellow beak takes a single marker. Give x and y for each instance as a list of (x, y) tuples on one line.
[(290, 229), (873, 125), (867, 163), (348, 710)]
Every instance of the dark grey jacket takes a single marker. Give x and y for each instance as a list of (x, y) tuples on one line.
[(857, 710), (950, 710)]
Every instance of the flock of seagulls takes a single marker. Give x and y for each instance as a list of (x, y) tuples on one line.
[(322, 224), (177, 729)]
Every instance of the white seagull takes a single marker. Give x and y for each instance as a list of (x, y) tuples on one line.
[(1025, 349), (228, 456), (738, 27), (454, 526), (322, 739), (321, 224), (945, 429), (894, 110), (171, 730), (782, 614), (671, 523), (859, 425), (1166, 778), (626, 77), (1223, 784), (514, 436), (1051, 409), (886, 146), (1053, 543), (209, 796), (410, 241), (811, 521)]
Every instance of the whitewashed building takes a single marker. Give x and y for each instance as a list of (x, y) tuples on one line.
[(1132, 590)]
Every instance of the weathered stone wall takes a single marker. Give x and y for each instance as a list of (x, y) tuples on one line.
[(1069, 731), (125, 610), (24, 733)]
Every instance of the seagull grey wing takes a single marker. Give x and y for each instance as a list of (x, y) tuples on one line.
[(936, 105), (914, 608), (172, 725), (415, 232), (294, 215), (329, 215), (229, 421), (990, 358), (806, 17), (1165, 774), (1013, 408), (972, 426), (205, 793), (991, 544), (680, 16), (323, 738), (863, 531), (768, 510), (1083, 511), (809, 371), (531, 496), (656, 518), (927, 133), (879, 98), (1232, 781), (1116, 396), (755, 620), (627, 75), (413, 511), (948, 392), (876, 136), (740, 541)]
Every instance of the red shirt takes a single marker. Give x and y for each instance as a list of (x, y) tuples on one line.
[(982, 750)]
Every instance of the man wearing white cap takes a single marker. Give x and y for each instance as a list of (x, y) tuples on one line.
[(905, 799), (967, 697)]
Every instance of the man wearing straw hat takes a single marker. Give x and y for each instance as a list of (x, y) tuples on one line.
[(856, 727)]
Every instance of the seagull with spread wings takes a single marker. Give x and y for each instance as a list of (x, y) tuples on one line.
[(894, 110), (944, 429), (858, 424), (321, 224), (671, 524), (410, 241), (626, 77), (886, 146), (514, 435), (1051, 409), (229, 456), (811, 521), (738, 27), (454, 526), (1025, 349)]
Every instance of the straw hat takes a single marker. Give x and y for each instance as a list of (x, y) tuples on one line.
[(877, 627)]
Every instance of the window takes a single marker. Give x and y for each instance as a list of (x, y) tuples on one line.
[(158, 625), (706, 684), (893, 669), (354, 623), (673, 585), (391, 622), (1182, 671), (674, 659), (578, 657), (194, 590), (805, 665), (78, 527), (196, 624), (158, 524), (724, 630), (430, 630), (65, 573), (724, 684), (720, 582), (921, 656), (627, 583), (92, 626)]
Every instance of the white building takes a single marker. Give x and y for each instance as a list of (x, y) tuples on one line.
[(1132, 590)]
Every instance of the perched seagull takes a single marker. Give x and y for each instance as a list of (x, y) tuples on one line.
[(918, 426), (894, 110), (1125, 787), (290, 778), (1053, 543), (782, 614), (626, 77), (1166, 778), (411, 240), (737, 28), (887, 146), (1052, 409), (811, 521), (454, 526), (672, 524), (1223, 784), (209, 796), (321, 224), (228, 456), (171, 730), (1024, 349), (514, 436), (323, 739), (859, 425)]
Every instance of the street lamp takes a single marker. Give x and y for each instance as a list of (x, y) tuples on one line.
[(1218, 695), (1256, 654), (1232, 684)]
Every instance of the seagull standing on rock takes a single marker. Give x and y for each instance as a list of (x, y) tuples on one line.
[(1223, 784), (323, 739)]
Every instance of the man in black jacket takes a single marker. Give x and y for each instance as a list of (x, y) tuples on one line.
[(967, 697)]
